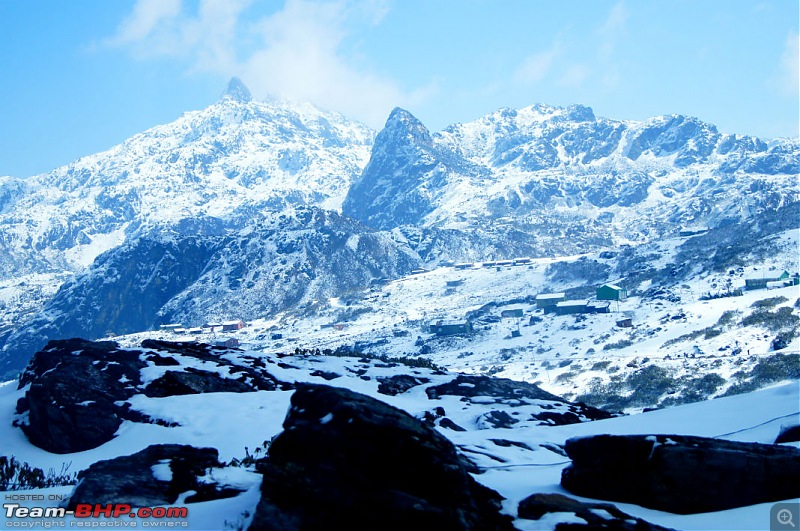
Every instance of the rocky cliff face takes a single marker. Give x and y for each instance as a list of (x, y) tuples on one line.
[(277, 262)]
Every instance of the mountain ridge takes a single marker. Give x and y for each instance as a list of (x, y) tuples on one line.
[(561, 174), (538, 181)]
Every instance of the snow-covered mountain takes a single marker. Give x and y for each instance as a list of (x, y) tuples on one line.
[(562, 180), (208, 173), (222, 213), (219, 164), (693, 331)]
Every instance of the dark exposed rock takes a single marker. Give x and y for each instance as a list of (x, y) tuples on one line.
[(497, 419), (450, 425), (399, 383), (681, 474), (511, 393), (76, 399), (201, 351), (348, 461), (790, 434), (131, 479), (472, 385), (74, 385), (326, 375), (162, 361), (193, 381), (430, 417), (505, 443), (537, 505), (555, 448), (558, 419), (190, 381)]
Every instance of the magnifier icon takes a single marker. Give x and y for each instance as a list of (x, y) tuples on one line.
[(784, 517)]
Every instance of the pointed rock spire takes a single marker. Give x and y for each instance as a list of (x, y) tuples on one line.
[(401, 124), (237, 91)]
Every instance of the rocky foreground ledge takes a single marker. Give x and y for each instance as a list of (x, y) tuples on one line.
[(77, 392), (345, 459)]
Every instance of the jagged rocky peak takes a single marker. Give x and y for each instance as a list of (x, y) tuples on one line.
[(541, 113), (237, 91), (580, 113), (402, 125)]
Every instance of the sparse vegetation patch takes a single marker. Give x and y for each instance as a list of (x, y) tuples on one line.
[(17, 475)]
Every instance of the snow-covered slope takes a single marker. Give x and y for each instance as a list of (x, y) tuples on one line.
[(229, 213), (563, 180), (689, 338)]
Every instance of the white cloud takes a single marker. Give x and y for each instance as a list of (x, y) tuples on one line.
[(787, 80), (302, 58), (297, 52), (610, 30), (146, 16), (574, 76), (211, 35), (616, 20), (567, 66), (538, 66)]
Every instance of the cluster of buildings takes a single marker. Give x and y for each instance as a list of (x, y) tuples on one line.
[(494, 263), (549, 303), (780, 281), (558, 304)]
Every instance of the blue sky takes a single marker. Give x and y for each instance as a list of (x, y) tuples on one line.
[(79, 77)]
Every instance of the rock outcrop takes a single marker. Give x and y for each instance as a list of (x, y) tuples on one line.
[(789, 434), (77, 389), (348, 461), (681, 474), (75, 385), (510, 394), (153, 477)]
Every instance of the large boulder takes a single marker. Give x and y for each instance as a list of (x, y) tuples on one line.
[(75, 386), (154, 476), (679, 473), (399, 383), (348, 461), (193, 381), (76, 390), (788, 434)]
